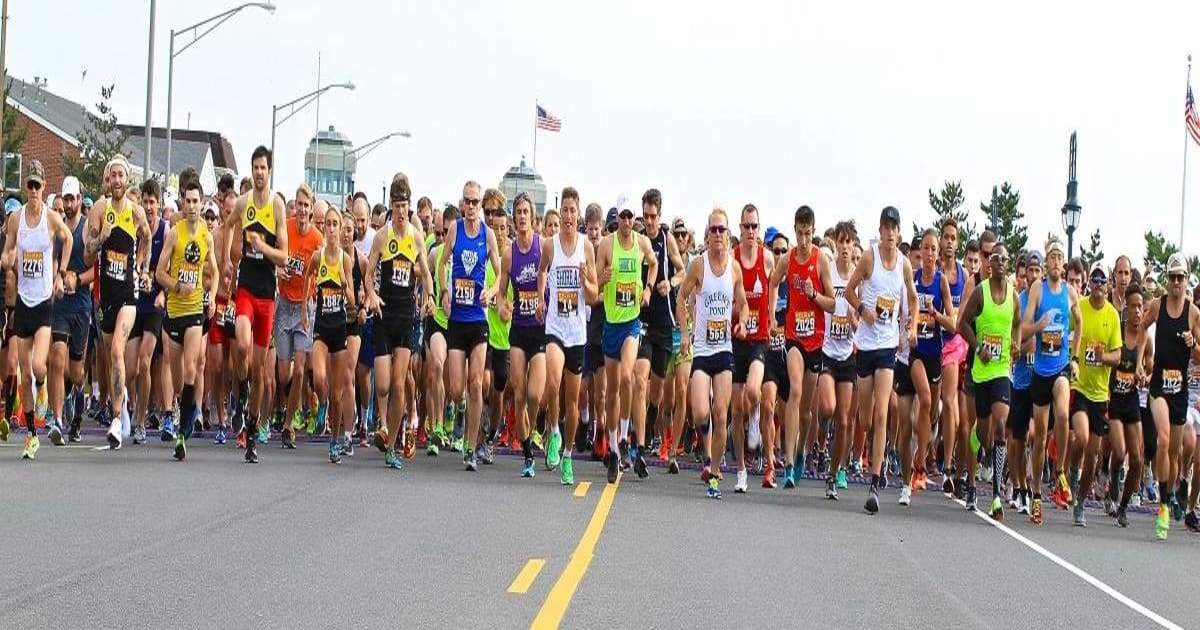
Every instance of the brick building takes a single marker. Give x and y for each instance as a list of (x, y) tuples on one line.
[(52, 124)]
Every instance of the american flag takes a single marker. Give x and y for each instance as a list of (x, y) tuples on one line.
[(1190, 119), (548, 121)]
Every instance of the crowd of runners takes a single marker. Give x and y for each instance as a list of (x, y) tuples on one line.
[(254, 317)]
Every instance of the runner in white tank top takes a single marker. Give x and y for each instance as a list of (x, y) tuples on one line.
[(567, 275), (35, 256), (877, 288), (713, 286), (835, 387)]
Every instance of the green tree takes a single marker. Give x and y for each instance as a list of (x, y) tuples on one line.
[(1158, 250), (1092, 252), (100, 141), (14, 138), (1010, 221), (948, 204)]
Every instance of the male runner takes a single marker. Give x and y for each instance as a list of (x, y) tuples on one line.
[(294, 315), (619, 262), (72, 320), (755, 266), (518, 282), (258, 243), (147, 326), (1020, 411), (885, 278), (838, 371)]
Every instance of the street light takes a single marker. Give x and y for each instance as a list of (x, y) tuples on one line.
[(1071, 209), (311, 96), (365, 149), (219, 19)]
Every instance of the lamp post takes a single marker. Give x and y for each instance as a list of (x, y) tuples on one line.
[(308, 99), (1071, 208), (219, 19), (364, 150)]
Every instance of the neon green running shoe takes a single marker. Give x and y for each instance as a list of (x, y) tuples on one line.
[(31, 447), (568, 471), (1162, 522), (554, 451), (537, 439), (4, 428)]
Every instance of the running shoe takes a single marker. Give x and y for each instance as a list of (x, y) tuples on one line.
[(527, 469), (842, 482), (486, 452), (1062, 492), (1022, 502), (997, 511), (919, 481), (56, 435), (264, 433), (43, 402), (456, 445), (830, 489), (713, 490), (73, 434), (948, 484), (410, 444), (971, 500), (639, 466), (554, 451), (1162, 523), (664, 450), (432, 451), (335, 452), (31, 447), (168, 431), (1122, 518), (1151, 490), (672, 466), (180, 448), (251, 452), (390, 460), (322, 415), (310, 422), (4, 429), (472, 465), (139, 434), (567, 475), (277, 420), (380, 439), (1035, 512), (742, 484), (537, 440), (287, 439), (789, 477), (1191, 522), (1176, 508), (706, 473), (623, 447), (299, 420), (768, 481), (754, 436), (872, 504), (613, 466), (114, 436), (905, 495), (347, 446), (103, 417), (220, 437)]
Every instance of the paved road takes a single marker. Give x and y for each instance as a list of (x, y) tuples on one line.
[(132, 539)]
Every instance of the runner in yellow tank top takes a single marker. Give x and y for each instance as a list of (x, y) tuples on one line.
[(186, 269)]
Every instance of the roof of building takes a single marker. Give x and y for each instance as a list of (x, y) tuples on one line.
[(522, 172), (223, 156), (64, 117), (331, 135), (184, 153)]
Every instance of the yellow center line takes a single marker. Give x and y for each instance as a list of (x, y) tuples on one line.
[(555, 606), (583, 488), (525, 578)]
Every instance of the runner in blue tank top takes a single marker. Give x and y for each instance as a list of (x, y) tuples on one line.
[(1020, 412), (1051, 313), (471, 246)]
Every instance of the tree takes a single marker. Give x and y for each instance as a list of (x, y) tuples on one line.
[(1010, 222), (1092, 253), (100, 141), (14, 138), (947, 204), (1158, 250)]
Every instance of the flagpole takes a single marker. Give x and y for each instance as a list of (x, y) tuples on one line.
[(1183, 183), (535, 135)]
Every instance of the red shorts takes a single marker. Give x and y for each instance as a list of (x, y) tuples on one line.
[(216, 329), (261, 312)]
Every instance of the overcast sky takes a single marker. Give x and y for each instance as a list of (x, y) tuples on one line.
[(844, 106)]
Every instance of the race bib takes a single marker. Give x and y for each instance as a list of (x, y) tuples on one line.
[(717, 332), (751, 324), (1123, 382), (839, 327), (189, 275), (294, 267), (464, 292), (806, 324), (331, 300), (1193, 379), (625, 293), (1172, 381), (993, 344), (527, 302), (567, 303), (926, 326), (885, 309), (401, 272), (116, 265), (1092, 355), (1050, 343), (778, 342), (32, 265)]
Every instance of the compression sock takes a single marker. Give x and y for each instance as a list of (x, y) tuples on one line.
[(1000, 457)]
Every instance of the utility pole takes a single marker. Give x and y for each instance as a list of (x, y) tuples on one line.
[(150, 93), (4, 86)]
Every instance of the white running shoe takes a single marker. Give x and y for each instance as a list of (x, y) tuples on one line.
[(741, 485), (754, 438), (905, 494), (114, 435)]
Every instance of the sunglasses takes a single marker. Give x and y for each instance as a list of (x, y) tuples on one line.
[(1177, 277), (33, 186), (987, 253), (780, 251), (749, 226), (627, 216), (472, 202), (1099, 280), (681, 235), (717, 229), (649, 218)]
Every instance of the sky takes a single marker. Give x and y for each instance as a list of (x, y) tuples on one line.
[(846, 107)]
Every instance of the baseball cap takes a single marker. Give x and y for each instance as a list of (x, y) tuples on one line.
[(1098, 268), (37, 173), (1034, 258), (210, 208), (1055, 245), (1176, 264), (769, 235), (87, 202), (71, 186), (11, 205), (611, 221), (678, 225), (890, 213)]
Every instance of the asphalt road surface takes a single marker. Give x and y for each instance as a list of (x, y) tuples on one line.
[(133, 539)]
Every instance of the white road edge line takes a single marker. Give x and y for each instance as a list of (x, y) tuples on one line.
[(1080, 573)]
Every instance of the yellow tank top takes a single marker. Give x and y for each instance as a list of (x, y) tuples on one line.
[(331, 293), (187, 266)]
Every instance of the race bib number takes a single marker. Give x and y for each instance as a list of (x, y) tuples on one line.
[(32, 265), (1092, 355), (294, 267), (116, 265), (464, 292), (778, 342), (885, 309), (806, 324), (567, 303), (401, 272), (1172, 381), (992, 344), (839, 327), (717, 332), (751, 324), (625, 293), (1051, 343), (1194, 379), (189, 275), (1123, 382), (331, 300), (926, 326), (527, 302)]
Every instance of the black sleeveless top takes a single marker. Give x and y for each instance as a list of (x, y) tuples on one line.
[(1170, 353)]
